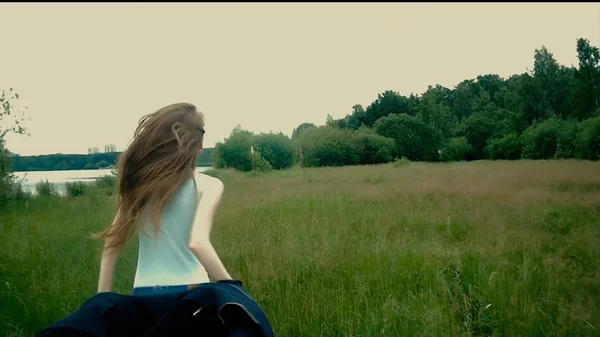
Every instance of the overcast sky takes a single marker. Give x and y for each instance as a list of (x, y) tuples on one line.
[(89, 71)]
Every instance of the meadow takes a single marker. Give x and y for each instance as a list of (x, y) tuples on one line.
[(505, 248)]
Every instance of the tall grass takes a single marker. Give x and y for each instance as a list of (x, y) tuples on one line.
[(463, 249)]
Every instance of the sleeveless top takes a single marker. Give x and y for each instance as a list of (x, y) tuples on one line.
[(167, 259)]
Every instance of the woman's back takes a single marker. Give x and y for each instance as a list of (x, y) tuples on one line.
[(159, 188), (167, 259)]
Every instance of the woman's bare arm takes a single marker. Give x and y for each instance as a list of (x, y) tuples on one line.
[(108, 262), (212, 190)]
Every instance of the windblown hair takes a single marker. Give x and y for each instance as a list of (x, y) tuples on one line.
[(161, 157)]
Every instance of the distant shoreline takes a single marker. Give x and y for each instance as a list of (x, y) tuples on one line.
[(86, 169), (88, 162)]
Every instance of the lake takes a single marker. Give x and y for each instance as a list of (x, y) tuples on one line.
[(60, 178)]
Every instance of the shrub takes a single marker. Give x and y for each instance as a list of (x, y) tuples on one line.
[(327, 146), (566, 139), (588, 139), (373, 148), (76, 189), (45, 188), (277, 149), (235, 152), (540, 139), (508, 147), (260, 164), (458, 148)]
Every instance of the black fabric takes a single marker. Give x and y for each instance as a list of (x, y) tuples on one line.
[(220, 309)]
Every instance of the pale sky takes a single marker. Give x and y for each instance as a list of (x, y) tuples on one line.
[(89, 71)]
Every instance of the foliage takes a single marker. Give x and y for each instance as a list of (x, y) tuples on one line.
[(373, 148), (566, 139), (540, 140), (304, 126), (508, 147), (414, 139), (588, 139), (326, 146), (276, 148), (76, 189), (235, 151), (260, 164), (12, 117), (458, 148), (542, 114), (45, 188)]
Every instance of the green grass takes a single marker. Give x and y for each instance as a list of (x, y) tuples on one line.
[(463, 249)]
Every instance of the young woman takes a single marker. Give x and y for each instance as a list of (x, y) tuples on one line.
[(167, 203)]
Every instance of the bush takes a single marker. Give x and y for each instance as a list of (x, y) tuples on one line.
[(508, 147), (588, 139), (11, 117), (458, 148), (271, 151), (76, 189), (10, 188), (327, 146), (414, 139), (106, 184), (260, 163), (45, 188), (540, 139), (277, 149), (566, 139), (373, 148), (235, 151), (399, 162)]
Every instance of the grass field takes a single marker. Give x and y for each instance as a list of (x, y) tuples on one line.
[(464, 249)]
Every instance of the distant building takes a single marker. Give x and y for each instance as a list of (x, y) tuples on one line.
[(90, 150), (110, 148), (96, 150)]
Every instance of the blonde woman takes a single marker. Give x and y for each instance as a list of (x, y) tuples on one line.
[(167, 204)]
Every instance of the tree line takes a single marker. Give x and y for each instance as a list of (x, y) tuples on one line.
[(54, 162), (550, 112)]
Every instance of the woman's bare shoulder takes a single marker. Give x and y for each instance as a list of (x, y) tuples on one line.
[(208, 184)]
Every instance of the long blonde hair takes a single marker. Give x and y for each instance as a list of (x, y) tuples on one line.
[(161, 157)]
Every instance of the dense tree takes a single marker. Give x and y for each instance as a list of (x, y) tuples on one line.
[(389, 102), (546, 113), (587, 80)]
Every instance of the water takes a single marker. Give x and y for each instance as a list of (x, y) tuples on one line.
[(61, 178)]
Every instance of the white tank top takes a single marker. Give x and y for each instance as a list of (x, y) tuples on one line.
[(168, 260)]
